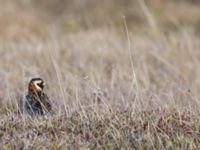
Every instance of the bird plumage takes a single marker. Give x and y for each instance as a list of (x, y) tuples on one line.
[(35, 102)]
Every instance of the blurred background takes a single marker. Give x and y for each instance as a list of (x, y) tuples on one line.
[(81, 45), (37, 16)]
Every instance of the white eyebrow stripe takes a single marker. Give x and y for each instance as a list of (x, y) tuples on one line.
[(36, 82), (37, 87)]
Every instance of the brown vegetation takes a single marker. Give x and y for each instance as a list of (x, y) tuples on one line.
[(109, 90)]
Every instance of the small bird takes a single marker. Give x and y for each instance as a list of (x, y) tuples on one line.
[(35, 102)]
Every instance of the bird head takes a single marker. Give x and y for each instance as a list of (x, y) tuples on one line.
[(36, 85)]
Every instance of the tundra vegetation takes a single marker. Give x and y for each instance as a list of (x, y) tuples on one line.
[(120, 74)]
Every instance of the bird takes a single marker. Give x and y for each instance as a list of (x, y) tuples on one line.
[(35, 102)]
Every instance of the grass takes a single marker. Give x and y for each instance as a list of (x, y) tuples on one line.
[(98, 103), (117, 130), (111, 88)]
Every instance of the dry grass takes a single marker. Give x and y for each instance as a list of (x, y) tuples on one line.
[(98, 101), (108, 91)]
